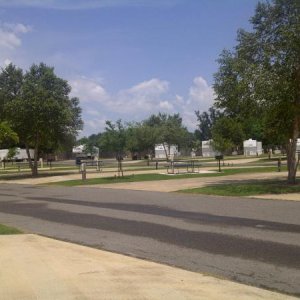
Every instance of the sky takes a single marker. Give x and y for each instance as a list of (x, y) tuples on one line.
[(126, 59)]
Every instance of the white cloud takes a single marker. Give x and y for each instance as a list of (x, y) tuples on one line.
[(151, 87), (134, 103), (145, 96), (9, 39), (93, 97), (10, 35), (166, 105), (95, 124), (201, 96), (17, 28), (92, 112), (7, 62), (139, 101), (179, 100), (201, 93), (88, 90), (189, 120)]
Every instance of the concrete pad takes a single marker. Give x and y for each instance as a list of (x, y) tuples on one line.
[(35, 267)]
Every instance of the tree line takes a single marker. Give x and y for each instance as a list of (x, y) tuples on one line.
[(139, 138)]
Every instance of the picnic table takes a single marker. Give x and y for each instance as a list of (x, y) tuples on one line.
[(189, 165), (92, 163)]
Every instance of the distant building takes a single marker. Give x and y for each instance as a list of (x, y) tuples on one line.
[(252, 147), (79, 151), (160, 151), (207, 149)]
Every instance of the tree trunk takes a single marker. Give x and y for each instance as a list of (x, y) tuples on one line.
[(292, 156), (33, 165), (29, 158), (35, 162), (166, 152)]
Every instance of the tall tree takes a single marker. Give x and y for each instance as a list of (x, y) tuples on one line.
[(170, 130), (261, 77), (114, 138), (11, 80), (42, 113), (141, 137), (7, 135), (235, 98), (205, 122), (227, 134)]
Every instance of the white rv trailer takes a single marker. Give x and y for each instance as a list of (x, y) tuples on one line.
[(252, 147), (172, 151), (21, 154), (80, 151), (207, 149)]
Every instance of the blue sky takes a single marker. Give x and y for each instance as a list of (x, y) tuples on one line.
[(126, 58)]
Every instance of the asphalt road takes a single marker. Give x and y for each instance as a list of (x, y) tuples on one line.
[(247, 240)]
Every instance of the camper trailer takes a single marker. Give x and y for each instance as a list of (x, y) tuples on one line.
[(21, 154), (160, 151), (252, 147), (207, 149), (80, 153)]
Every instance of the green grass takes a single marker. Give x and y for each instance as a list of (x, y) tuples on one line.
[(26, 175), (153, 177), (247, 189), (273, 159), (126, 178), (8, 230), (255, 169)]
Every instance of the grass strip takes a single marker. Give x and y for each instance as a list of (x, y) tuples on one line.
[(27, 175), (250, 188), (8, 230), (126, 178), (153, 177)]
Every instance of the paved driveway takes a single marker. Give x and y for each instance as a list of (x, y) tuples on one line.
[(253, 241)]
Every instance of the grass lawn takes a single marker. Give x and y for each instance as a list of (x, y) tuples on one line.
[(247, 189), (126, 178), (8, 230), (153, 177), (273, 159), (25, 175)]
